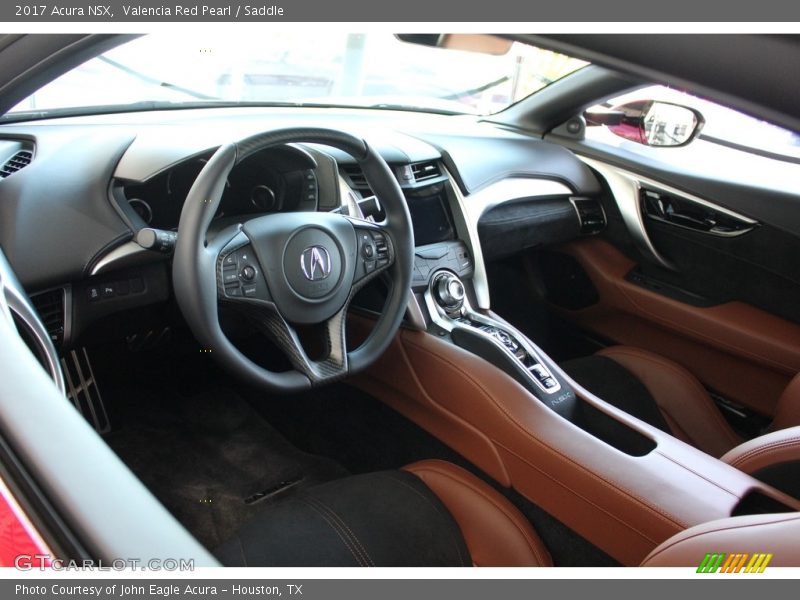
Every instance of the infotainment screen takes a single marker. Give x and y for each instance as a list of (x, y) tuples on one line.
[(431, 217), (430, 214)]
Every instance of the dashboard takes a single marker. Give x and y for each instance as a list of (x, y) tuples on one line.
[(73, 206)]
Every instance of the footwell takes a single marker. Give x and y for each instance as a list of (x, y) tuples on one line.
[(210, 458)]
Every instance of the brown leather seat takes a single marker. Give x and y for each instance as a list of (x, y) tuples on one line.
[(433, 513), (774, 534), (497, 534), (684, 407)]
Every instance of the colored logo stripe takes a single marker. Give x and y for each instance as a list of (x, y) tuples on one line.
[(758, 563), (733, 563), (711, 563)]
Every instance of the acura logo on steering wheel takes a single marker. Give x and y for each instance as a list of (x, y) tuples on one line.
[(315, 263)]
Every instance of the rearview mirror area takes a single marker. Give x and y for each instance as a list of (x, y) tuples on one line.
[(470, 42), (651, 123)]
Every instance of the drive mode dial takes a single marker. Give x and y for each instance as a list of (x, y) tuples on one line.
[(448, 291)]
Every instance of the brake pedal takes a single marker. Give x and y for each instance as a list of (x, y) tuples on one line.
[(83, 391)]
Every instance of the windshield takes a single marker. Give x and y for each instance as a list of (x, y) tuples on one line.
[(332, 69)]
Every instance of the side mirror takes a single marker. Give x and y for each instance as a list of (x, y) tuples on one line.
[(651, 122)]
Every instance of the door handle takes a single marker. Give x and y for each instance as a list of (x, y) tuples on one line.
[(685, 213)]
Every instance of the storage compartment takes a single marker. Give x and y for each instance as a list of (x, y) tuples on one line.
[(612, 432), (758, 503)]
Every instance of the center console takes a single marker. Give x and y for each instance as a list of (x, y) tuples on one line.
[(450, 311)]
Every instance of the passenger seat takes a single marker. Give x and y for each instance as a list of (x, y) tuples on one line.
[(667, 396)]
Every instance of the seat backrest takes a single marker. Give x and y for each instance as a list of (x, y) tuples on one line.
[(773, 534), (787, 410)]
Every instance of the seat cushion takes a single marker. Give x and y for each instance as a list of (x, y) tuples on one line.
[(657, 391), (416, 517), (388, 518)]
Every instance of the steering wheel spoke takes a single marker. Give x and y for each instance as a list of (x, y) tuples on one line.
[(330, 363), (376, 251), (240, 277)]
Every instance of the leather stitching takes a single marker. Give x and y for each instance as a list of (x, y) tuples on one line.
[(451, 415), (353, 537), (339, 533), (456, 545), (766, 448), (587, 500), (619, 490), (532, 543)]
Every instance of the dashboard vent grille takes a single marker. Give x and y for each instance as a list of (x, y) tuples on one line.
[(425, 170), (50, 306), (20, 160), (355, 177), (591, 216)]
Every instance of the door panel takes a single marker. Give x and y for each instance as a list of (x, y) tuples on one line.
[(715, 288), (743, 352)]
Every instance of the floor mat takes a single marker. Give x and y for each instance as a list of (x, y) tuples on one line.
[(210, 458)]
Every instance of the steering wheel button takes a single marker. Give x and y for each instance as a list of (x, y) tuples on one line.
[(233, 291), (368, 251), (108, 290), (249, 291), (230, 260), (248, 273), (230, 276), (369, 266), (93, 293)]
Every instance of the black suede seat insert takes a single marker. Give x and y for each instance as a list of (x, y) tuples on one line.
[(387, 519)]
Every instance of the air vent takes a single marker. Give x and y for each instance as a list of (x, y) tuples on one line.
[(591, 215), (20, 160), (355, 177), (425, 170), (50, 306)]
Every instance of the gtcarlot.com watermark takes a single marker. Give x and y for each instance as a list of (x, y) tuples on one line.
[(43, 562)]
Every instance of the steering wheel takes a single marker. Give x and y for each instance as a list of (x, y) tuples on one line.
[(291, 269)]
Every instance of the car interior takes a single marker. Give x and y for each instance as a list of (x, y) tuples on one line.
[(302, 335)]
